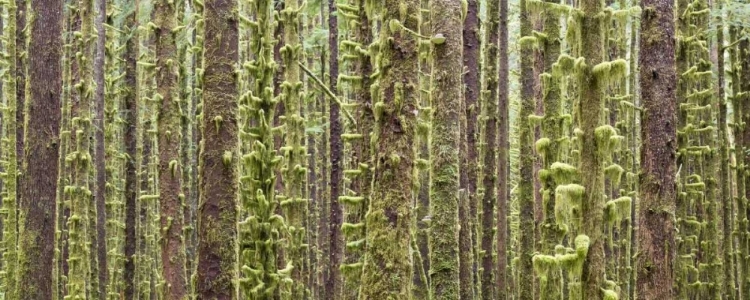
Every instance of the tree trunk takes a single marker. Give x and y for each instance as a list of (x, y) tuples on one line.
[(170, 170), (100, 185), (388, 269), (444, 161), (525, 187), (10, 203), (656, 237), (129, 134), (489, 161), (217, 214), (594, 146), (38, 185), (727, 241), (471, 45), (503, 164), (335, 240)]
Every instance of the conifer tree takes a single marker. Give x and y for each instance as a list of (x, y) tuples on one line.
[(525, 185), (218, 178), (389, 217), (170, 193), (447, 95), (658, 160), (10, 161), (489, 98), (38, 185)]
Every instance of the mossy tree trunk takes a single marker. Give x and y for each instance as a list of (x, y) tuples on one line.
[(169, 136), (38, 185), (444, 146), (10, 184), (489, 160), (100, 176), (503, 153), (130, 141), (525, 188), (472, 47), (293, 202), (656, 237), (550, 146), (594, 144), (727, 241), (217, 214), (388, 269), (335, 247), (359, 173)]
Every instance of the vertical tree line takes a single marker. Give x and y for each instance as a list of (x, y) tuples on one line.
[(362, 149)]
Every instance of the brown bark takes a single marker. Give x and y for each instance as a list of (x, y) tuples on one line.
[(333, 275), (21, 6), (217, 213), (99, 161), (489, 176), (503, 164), (472, 46), (38, 184), (658, 79), (168, 122), (130, 132)]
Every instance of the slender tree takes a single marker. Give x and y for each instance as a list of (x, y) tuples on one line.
[(217, 212), (170, 169), (658, 152), (10, 208), (387, 267), (38, 185), (472, 47), (100, 184), (727, 241), (447, 95), (526, 157), (503, 152), (131, 120), (335, 240), (489, 160)]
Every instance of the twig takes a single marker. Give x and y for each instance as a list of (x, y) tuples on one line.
[(328, 91)]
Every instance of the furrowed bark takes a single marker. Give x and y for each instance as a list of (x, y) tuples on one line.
[(658, 79)]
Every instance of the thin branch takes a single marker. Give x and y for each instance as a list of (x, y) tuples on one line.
[(328, 91)]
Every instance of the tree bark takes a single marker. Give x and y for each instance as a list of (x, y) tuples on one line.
[(658, 79), (388, 268), (526, 159), (217, 214), (170, 170), (593, 147), (447, 96), (129, 134), (335, 240), (472, 46), (489, 160), (100, 184), (503, 150), (38, 185)]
